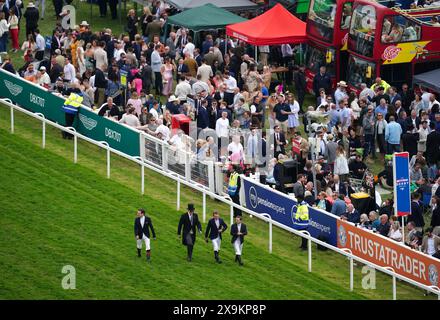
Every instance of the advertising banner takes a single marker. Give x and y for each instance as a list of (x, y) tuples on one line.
[(280, 207), (386, 253), (36, 99), (402, 194), (116, 135), (31, 97)]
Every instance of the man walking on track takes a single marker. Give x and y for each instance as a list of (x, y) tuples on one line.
[(216, 226), (238, 231), (189, 222), (142, 226)]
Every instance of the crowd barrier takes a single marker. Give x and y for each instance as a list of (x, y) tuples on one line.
[(262, 202)]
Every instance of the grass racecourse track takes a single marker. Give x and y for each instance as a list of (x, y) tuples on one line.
[(55, 213)]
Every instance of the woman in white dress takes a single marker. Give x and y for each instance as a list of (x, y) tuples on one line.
[(341, 164), (293, 119), (81, 62)]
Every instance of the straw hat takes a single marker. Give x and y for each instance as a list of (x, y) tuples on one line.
[(342, 84)]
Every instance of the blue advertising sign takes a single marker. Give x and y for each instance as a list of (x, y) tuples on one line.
[(402, 193), (281, 208)]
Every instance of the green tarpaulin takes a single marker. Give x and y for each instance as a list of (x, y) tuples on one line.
[(205, 17), (303, 6)]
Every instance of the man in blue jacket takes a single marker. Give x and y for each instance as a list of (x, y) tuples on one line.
[(216, 226), (339, 207), (393, 131)]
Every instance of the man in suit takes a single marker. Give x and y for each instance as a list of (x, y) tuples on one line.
[(238, 231), (142, 226), (322, 80), (182, 69), (410, 140), (189, 222), (299, 77), (416, 212), (202, 114), (279, 141), (433, 143), (414, 120), (216, 226), (430, 243)]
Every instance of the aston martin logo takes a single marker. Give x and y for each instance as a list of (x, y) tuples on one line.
[(89, 123), (14, 89)]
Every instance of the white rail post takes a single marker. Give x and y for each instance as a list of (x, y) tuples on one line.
[(270, 230), (12, 119), (107, 147), (44, 135), (108, 163), (178, 195), (351, 274), (142, 174), (204, 206), (309, 249), (142, 178), (231, 213), (394, 282), (351, 268), (394, 288), (75, 148), (270, 236)]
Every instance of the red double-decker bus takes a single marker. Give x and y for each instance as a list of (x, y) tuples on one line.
[(328, 23), (391, 43)]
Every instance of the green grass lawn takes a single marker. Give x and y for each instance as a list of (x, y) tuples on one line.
[(55, 213)]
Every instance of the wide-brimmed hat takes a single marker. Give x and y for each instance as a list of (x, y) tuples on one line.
[(31, 5), (84, 23), (172, 98), (190, 207), (342, 84)]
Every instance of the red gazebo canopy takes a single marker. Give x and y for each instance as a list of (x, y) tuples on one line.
[(276, 26)]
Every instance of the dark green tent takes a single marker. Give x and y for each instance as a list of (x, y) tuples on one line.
[(205, 17)]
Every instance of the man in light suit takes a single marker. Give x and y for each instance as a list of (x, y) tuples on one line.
[(216, 226), (189, 222), (238, 231), (142, 226)]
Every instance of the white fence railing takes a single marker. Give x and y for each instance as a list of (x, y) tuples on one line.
[(144, 163)]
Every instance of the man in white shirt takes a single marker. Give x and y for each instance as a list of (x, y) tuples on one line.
[(43, 78), (231, 84), (183, 89), (119, 50), (69, 71), (432, 101), (222, 126), (154, 111), (41, 44), (189, 48), (156, 64)]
